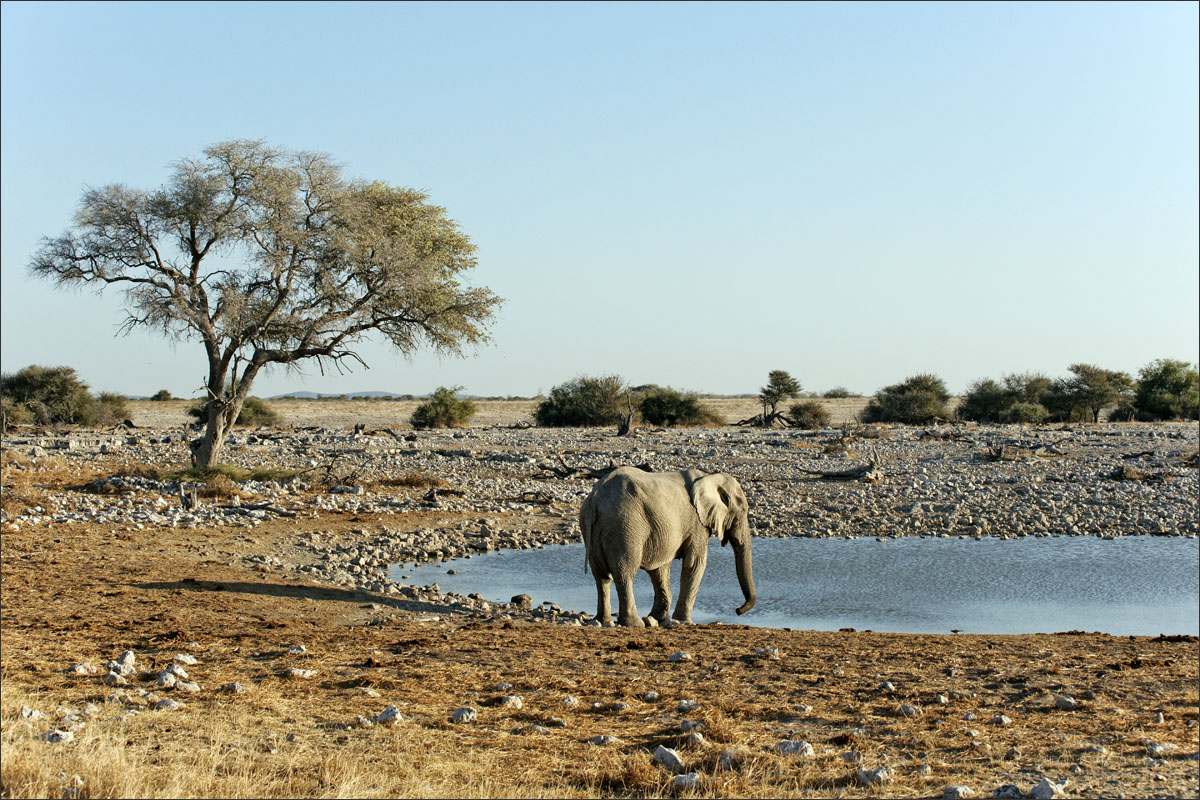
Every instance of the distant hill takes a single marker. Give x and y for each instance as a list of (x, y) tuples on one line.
[(316, 396)]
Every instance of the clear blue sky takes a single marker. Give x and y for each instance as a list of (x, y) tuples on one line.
[(685, 194)]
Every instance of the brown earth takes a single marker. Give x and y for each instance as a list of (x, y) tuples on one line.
[(83, 593)]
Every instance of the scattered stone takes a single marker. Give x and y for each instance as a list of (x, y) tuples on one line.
[(389, 716), (792, 748), (970, 716), (1001, 719), (31, 714), (871, 777), (1047, 789), (730, 759), (909, 711), (570, 701), (511, 701), (1098, 749), (689, 781), (1012, 754), (522, 601), (362, 722), (695, 739), (851, 757), (57, 736), (297, 650), (1066, 703), (464, 715), (115, 679), (769, 653), (168, 704), (166, 680), (618, 707), (299, 674), (924, 770), (526, 730), (886, 687), (186, 660), (687, 705), (556, 722), (691, 725), (669, 759), (678, 656), (650, 696), (1009, 791), (1159, 750), (942, 699), (604, 739), (176, 670), (82, 668), (1159, 719), (125, 666), (957, 792), (235, 688)]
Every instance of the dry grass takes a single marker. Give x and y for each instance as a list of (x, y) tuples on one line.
[(416, 480)]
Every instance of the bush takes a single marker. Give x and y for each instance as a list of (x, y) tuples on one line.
[(583, 402), (985, 401), (1168, 389), (667, 406), (809, 415), (444, 410), (50, 395), (917, 401), (161, 395), (1024, 413), (110, 408), (836, 393), (255, 413)]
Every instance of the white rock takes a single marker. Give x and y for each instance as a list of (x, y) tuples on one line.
[(297, 650), (1066, 703), (1001, 719), (115, 679), (604, 739), (688, 705), (689, 781), (669, 759), (679, 655), (235, 688), (512, 701), (870, 777), (851, 756), (957, 792), (297, 672), (909, 711), (887, 686), (191, 687), (31, 714), (792, 748), (82, 668), (1158, 750), (185, 659), (166, 679), (650, 696), (1047, 789), (691, 725), (526, 730), (57, 736), (730, 759), (389, 716), (696, 739), (464, 715), (570, 701), (769, 653), (168, 704)]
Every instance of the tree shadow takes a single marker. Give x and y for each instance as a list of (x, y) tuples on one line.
[(296, 591)]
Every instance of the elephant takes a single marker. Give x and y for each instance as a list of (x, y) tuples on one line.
[(634, 519)]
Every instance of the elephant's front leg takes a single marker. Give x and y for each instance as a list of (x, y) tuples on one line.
[(627, 615), (661, 580), (689, 583), (603, 607)]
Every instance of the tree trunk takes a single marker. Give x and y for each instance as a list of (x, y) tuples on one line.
[(221, 412)]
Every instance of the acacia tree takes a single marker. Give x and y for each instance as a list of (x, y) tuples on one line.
[(273, 257)]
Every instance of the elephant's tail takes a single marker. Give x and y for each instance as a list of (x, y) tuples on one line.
[(587, 522)]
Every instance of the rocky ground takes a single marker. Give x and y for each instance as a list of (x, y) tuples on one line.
[(301, 644)]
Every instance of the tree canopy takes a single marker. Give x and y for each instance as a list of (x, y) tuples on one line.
[(271, 257)]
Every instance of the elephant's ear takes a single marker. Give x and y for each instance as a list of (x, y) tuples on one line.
[(712, 504)]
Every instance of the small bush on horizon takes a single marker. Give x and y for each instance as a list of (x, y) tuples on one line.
[(444, 410), (583, 402), (809, 415), (667, 407), (161, 395), (1167, 389), (918, 400), (837, 393), (255, 413), (57, 396)]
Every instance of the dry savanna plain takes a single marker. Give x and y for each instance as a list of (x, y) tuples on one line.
[(246, 648)]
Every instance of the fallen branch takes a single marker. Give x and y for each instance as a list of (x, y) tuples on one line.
[(867, 473)]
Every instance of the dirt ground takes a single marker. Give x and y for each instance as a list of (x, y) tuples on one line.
[(79, 593)]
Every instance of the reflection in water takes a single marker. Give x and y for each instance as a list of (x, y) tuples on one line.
[(1132, 585)]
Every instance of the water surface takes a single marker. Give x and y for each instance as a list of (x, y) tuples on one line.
[(1132, 585)]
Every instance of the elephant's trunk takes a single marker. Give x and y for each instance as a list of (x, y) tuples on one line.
[(745, 574)]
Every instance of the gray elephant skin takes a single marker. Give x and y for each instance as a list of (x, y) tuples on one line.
[(634, 519)]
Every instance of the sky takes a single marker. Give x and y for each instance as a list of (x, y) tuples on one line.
[(688, 194)]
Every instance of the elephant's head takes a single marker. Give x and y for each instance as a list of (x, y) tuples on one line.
[(723, 509)]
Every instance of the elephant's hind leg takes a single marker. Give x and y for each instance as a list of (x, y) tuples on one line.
[(627, 615), (603, 607), (661, 580)]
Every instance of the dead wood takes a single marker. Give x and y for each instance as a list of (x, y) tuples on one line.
[(1126, 473), (867, 473)]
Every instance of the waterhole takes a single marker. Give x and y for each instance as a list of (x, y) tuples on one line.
[(1126, 586)]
